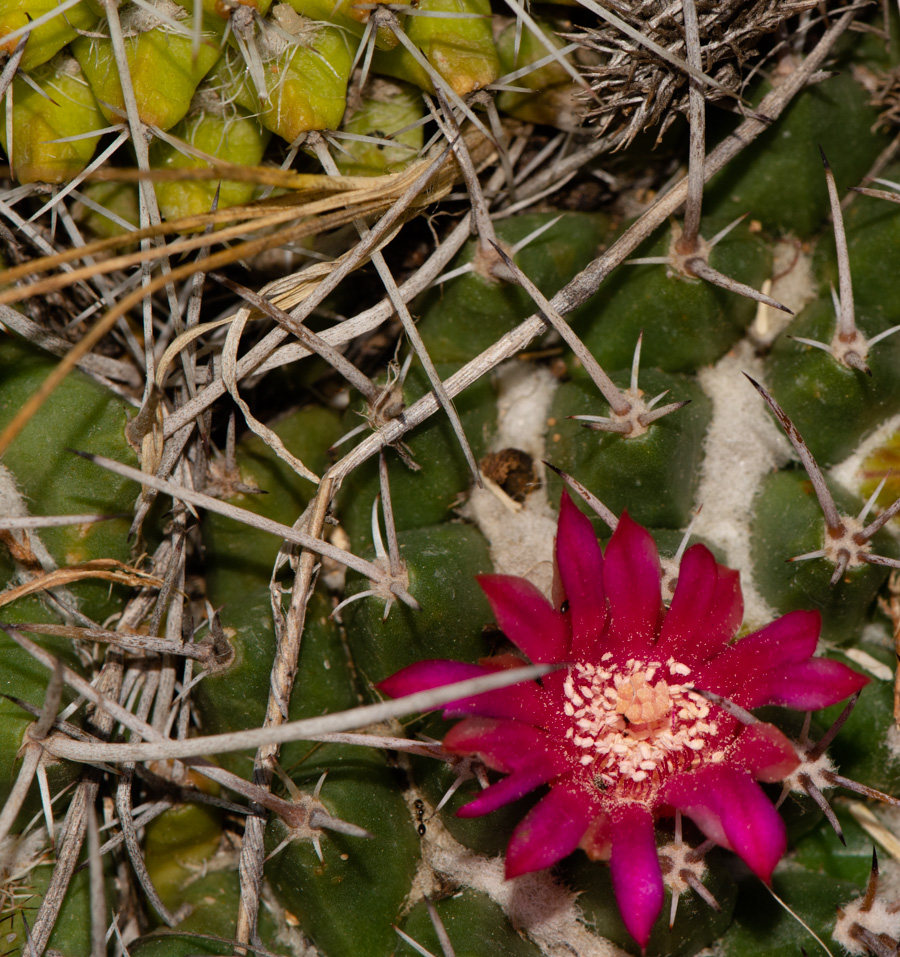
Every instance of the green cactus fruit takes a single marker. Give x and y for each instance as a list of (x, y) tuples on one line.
[(216, 129), (441, 563), (653, 475), (428, 495), (234, 698), (466, 315), (787, 523), (209, 903), (460, 49), (390, 107), (553, 100), (306, 66), (834, 407), (240, 558), (474, 925), (348, 902), (177, 845), (347, 15), (164, 70), (696, 924), (83, 415), (780, 182), (687, 323), (66, 108), (110, 206), (46, 40), (218, 12)]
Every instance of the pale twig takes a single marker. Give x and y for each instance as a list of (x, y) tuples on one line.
[(291, 731), (281, 683), (239, 514)]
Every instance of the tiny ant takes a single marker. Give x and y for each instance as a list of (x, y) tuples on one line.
[(419, 805)]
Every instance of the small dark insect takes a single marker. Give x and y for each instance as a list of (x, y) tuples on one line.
[(419, 806)]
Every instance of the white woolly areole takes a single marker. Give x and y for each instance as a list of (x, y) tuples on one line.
[(135, 19), (881, 918), (742, 446), (523, 404), (521, 541)]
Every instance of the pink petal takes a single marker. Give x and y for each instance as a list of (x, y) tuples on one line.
[(550, 830), (726, 611), (636, 876), (527, 618), (580, 564), (504, 745), (523, 702), (685, 621), (511, 788), (731, 808), (791, 638), (632, 573), (765, 752), (805, 685)]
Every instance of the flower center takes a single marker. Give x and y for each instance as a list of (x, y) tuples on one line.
[(637, 723)]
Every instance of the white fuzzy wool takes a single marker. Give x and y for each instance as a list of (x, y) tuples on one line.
[(742, 446), (521, 541)]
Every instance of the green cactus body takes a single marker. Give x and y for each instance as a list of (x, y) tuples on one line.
[(653, 475), (80, 415), (473, 923), (787, 523), (467, 314), (454, 610), (834, 407), (425, 496), (686, 323), (782, 186), (348, 902), (69, 109), (241, 557)]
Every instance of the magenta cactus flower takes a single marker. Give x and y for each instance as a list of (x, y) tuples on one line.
[(622, 736)]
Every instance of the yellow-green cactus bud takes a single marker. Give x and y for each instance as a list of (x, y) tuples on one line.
[(68, 109), (462, 50), (305, 80), (164, 71), (49, 38), (346, 14), (216, 129), (554, 101), (390, 108)]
